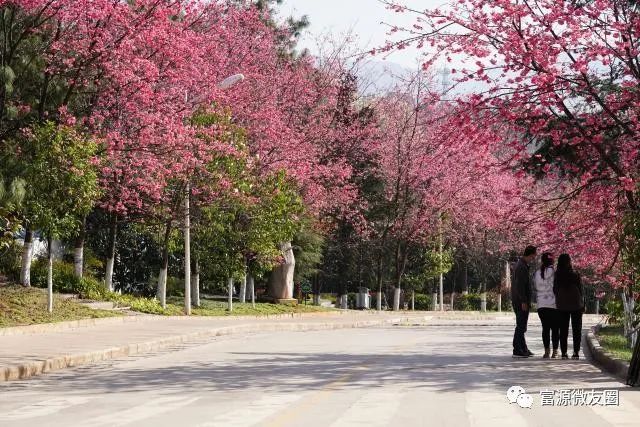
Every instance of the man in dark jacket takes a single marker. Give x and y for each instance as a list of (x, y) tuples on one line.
[(521, 300)]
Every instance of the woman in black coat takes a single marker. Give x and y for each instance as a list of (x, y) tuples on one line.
[(567, 287)]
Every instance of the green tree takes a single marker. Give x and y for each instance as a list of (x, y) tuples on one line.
[(61, 181)]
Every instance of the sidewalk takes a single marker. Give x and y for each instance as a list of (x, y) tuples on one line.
[(34, 350), (25, 352)]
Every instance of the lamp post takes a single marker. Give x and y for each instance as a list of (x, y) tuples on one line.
[(224, 84)]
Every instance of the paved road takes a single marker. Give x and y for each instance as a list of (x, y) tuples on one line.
[(402, 376)]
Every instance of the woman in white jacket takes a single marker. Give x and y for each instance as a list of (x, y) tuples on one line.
[(546, 301)]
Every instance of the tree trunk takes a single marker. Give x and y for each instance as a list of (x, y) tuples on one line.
[(195, 284), (161, 293), (242, 297), (380, 279), (466, 279), (187, 253), (27, 256), (453, 296), (401, 262), (344, 301), (396, 298), (111, 255), (49, 276), (230, 296), (251, 289), (78, 250), (440, 262), (483, 298), (413, 300), (281, 281)]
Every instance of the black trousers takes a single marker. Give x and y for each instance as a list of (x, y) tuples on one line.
[(550, 320), (576, 325), (522, 317)]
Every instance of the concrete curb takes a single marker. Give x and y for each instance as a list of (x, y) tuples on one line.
[(616, 367), (85, 323), (30, 369)]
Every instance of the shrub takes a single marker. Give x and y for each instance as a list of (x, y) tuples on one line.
[(423, 302), (64, 279), (492, 302), (469, 302), (91, 288), (615, 310), (10, 260), (175, 287)]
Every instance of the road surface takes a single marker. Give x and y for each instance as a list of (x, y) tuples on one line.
[(393, 376)]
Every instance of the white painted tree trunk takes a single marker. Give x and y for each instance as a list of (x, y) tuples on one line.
[(27, 256), (499, 302), (187, 253), (281, 281), (316, 299), (628, 305), (483, 299), (242, 297), (441, 267), (78, 260), (396, 298), (251, 288), (453, 297), (78, 250), (434, 301), (161, 293), (344, 302), (49, 276), (441, 296), (379, 301), (108, 277), (230, 296), (413, 300)]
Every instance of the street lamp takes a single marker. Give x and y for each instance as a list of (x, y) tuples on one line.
[(225, 84)]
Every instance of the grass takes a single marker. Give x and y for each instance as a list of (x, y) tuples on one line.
[(219, 308), (613, 341), (28, 306)]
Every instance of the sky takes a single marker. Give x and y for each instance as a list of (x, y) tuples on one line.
[(364, 18)]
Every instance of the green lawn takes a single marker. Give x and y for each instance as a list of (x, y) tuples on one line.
[(28, 306), (219, 308), (612, 340)]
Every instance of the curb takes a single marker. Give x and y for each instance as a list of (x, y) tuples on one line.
[(606, 361), (85, 323), (98, 321), (30, 369)]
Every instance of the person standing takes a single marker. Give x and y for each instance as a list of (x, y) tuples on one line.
[(546, 303), (521, 301), (567, 287)]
